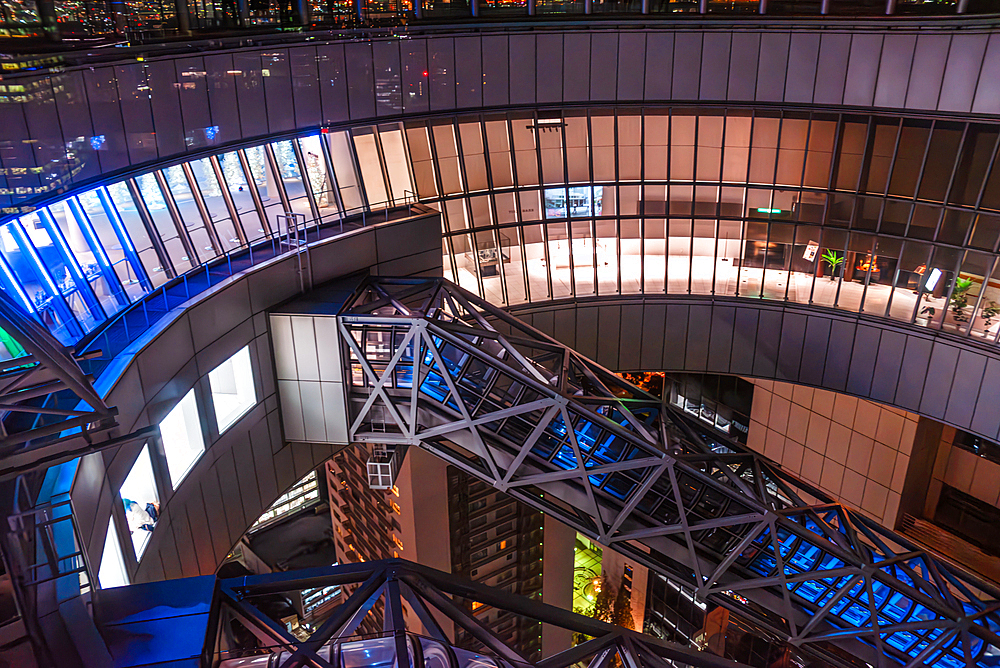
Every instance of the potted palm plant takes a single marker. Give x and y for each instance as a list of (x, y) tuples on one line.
[(960, 299), (834, 261)]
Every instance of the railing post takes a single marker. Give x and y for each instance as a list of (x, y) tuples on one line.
[(762, 7), (474, 7), (531, 7), (588, 6), (645, 6), (890, 7), (963, 6), (824, 7), (703, 6)]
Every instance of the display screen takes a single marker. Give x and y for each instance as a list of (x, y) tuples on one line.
[(576, 202)]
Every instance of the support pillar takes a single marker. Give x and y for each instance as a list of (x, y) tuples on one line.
[(474, 7), (183, 16), (418, 9), (890, 7), (703, 6), (963, 6), (645, 6), (824, 7), (762, 7), (588, 6)]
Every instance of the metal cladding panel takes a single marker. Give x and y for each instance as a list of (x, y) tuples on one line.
[(327, 349), (247, 479), (291, 410), (771, 67), (987, 418), (927, 71), (332, 71), (631, 335), (698, 333), (715, 62), (603, 66), (687, 65), (222, 102), (987, 100), (335, 413), (545, 321), (659, 65), (304, 338), (744, 341), (227, 309), (284, 347), (416, 76), (441, 72), (522, 69), (608, 335), (586, 331), (653, 336), (496, 71), (885, 379), (549, 68), (815, 341), (313, 420), (564, 326), (912, 371), (225, 467), (966, 387), (250, 93), (834, 54), (894, 70), (768, 340), (793, 330), (862, 361), (743, 66), (938, 382), (862, 70), (675, 339), (185, 553), (360, 79), (839, 353), (388, 82), (961, 74), (470, 72), (158, 366), (631, 65), (305, 86), (803, 55), (720, 342)]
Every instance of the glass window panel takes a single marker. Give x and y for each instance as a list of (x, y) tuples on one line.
[(506, 206), (909, 158), (501, 168), (35, 282), (606, 241), (550, 142), (183, 441), (523, 133), (867, 213), (112, 571), (473, 155), (602, 129), (141, 501), (456, 214), (152, 197), (736, 155), (125, 206), (291, 177), (985, 232), (582, 252), (320, 181), (882, 274), (465, 262), (191, 217), (857, 262), (763, 157), (883, 145), (630, 265), (491, 258), (396, 164), (924, 221), (267, 184), (962, 310), (531, 205), (682, 143), (941, 155), (792, 151), (987, 319), (678, 262), (629, 147), (654, 256), (211, 194), (513, 266), (977, 152), (559, 261), (895, 217), (93, 265), (345, 172), (482, 215), (941, 278), (853, 138), (239, 190), (703, 260), (804, 256), (418, 139), (955, 226), (115, 241), (577, 148), (534, 259), (656, 135), (911, 274), (830, 267), (233, 392), (819, 156), (447, 150)]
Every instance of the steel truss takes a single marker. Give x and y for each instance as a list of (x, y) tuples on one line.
[(49, 409), (380, 588), (428, 363)]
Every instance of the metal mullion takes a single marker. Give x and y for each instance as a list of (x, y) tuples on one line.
[(954, 173), (920, 285), (982, 292), (465, 199), (593, 217), (868, 274), (107, 267), (541, 195), (154, 235), (989, 172), (517, 205), (179, 226), (642, 195), (694, 198), (895, 278), (199, 202), (618, 218), (254, 193), (125, 239), (227, 197), (951, 290), (279, 182), (306, 180), (73, 326), (569, 213), (666, 194)]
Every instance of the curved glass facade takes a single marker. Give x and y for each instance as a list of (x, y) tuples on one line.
[(886, 216)]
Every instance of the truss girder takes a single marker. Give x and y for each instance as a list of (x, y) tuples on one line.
[(49, 409), (430, 364)]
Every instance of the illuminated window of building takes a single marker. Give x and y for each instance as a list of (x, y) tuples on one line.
[(399, 543), (395, 507), (141, 502), (503, 545), (183, 442), (112, 572), (395, 555), (304, 491), (476, 605), (395, 490), (233, 393)]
